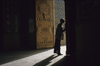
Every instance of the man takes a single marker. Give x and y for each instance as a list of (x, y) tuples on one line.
[(59, 35)]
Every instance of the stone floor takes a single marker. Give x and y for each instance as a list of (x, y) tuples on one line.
[(44, 57)]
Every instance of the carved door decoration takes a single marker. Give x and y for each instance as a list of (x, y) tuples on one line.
[(44, 24)]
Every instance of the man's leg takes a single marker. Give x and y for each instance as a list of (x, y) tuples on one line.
[(59, 48), (55, 47)]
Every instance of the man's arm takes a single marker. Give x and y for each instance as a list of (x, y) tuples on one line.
[(63, 29)]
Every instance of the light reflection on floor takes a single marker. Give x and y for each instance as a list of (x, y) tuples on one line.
[(37, 58)]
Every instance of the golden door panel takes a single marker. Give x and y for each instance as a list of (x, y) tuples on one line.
[(44, 23)]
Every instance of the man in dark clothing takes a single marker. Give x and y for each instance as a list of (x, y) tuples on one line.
[(59, 35)]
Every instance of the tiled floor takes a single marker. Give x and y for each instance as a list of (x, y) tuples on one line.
[(44, 57)]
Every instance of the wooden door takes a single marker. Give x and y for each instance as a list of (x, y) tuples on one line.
[(44, 24), (70, 26)]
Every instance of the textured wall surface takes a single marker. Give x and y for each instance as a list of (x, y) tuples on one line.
[(18, 23), (10, 24), (44, 24), (59, 11)]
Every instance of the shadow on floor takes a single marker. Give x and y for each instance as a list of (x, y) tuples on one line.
[(15, 55), (65, 61)]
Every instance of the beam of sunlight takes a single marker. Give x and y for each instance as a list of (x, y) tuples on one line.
[(34, 59), (63, 51)]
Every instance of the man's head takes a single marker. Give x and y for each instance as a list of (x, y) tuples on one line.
[(62, 21)]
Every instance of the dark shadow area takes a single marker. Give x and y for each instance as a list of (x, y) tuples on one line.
[(45, 61), (66, 61), (15, 55)]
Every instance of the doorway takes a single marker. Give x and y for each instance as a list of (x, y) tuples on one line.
[(60, 13)]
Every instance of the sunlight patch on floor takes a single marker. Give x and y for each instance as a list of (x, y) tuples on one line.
[(34, 59)]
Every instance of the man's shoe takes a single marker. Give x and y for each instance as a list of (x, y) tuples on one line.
[(59, 54), (55, 52)]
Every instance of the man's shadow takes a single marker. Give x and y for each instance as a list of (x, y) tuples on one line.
[(45, 61)]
